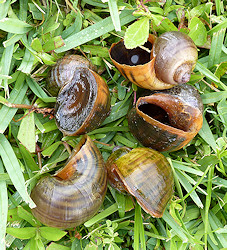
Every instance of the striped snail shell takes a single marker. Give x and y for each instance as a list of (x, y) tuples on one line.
[(145, 174), (171, 59), (62, 72), (167, 120), (75, 193), (83, 101)]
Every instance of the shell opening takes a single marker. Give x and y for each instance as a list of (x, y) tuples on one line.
[(159, 114), (132, 57), (68, 170)]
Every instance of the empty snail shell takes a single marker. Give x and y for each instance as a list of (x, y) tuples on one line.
[(83, 102), (167, 120), (62, 72), (171, 59), (75, 193), (145, 174)]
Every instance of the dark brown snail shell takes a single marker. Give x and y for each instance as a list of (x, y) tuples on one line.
[(76, 192), (171, 59), (145, 174), (82, 103), (167, 120), (62, 72)]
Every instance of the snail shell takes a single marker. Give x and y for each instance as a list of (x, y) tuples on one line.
[(62, 72), (167, 120), (171, 59), (83, 102), (75, 193), (145, 174)]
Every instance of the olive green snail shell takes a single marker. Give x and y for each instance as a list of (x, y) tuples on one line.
[(167, 120), (75, 193), (145, 174)]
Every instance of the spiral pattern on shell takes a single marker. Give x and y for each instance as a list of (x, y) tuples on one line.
[(75, 193)]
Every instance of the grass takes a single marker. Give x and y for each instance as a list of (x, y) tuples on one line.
[(34, 34)]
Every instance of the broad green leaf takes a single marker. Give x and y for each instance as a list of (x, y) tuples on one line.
[(94, 31), (14, 26), (162, 24), (36, 44), (54, 246), (50, 233), (25, 215), (197, 31), (221, 69), (53, 44), (3, 209), (13, 169), (26, 134), (114, 14), (137, 33), (22, 233)]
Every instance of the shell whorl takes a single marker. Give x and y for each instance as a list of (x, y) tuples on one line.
[(76, 192)]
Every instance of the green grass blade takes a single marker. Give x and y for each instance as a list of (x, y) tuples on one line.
[(218, 27), (16, 96), (13, 169), (188, 187), (110, 210), (216, 47), (137, 227), (94, 31), (114, 14), (35, 88), (207, 135), (4, 7), (202, 69), (3, 209)]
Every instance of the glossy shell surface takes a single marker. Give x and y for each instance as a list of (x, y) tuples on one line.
[(167, 120), (83, 103), (62, 72), (145, 174), (160, 63), (75, 193)]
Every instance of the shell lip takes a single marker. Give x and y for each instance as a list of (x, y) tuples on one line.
[(150, 41), (158, 123), (60, 174)]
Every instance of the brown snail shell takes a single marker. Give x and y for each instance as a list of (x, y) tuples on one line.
[(62, 72), (171, 59), (145, 174), (167, 120), (82, 103), (76, 192)]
